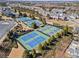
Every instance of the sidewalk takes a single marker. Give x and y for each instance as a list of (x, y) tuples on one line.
[(17, 52), (60, 52)]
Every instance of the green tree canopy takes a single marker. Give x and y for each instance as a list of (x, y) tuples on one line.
[(34, 53), (44, 21), (34, 25), (26, 53), (45, 43), (66, 28), (40, 47)]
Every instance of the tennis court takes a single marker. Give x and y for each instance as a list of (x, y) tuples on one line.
[(29, 21), (32, 39), (49, 30), (24, 19)]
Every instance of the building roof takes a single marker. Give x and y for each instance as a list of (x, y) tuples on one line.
[(73, 49), (6, 27), (32, 40)]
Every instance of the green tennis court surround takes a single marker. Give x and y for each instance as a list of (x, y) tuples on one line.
[(32, 39), (49, 30), (39, 36)]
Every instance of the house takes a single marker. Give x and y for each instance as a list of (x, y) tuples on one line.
[(73, 50), (76, 29), (8, 12)]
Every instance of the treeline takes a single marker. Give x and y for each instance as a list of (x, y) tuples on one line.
[(3, 4)]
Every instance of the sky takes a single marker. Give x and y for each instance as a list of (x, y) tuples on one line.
[(45, 0), (39, 0)]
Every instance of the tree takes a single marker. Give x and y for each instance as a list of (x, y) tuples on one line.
[(0, 17), (50, 9), (26, 54), (40, 48), (57, 35), (66, 29), (30, 16), (13, 16), (34, 25), (34, 53), (56, 24), (33, 17), (24, 15), (45, 44), (49, 40), (44, 22), (20, 14), (53, 37), (10, 35), (13, 35), (49, 16), (36, 13), (15, 10), (40, 18)]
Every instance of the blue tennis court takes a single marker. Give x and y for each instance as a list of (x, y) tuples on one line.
[(24, 19), (36, 41), (49, 30), (39, 39), (29, 36), (32, 43), (32, 39)]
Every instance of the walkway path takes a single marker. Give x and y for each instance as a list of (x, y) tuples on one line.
[(17, 52)]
